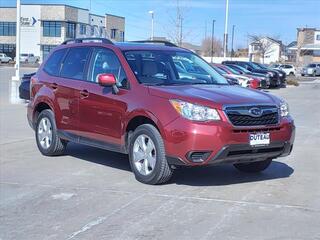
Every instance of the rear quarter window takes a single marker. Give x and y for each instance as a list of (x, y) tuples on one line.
[(53, 64), (75, 63)]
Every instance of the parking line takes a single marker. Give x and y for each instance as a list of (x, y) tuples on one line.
[(100, 220)]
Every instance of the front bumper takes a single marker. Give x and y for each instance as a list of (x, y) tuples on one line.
[(220, 142)]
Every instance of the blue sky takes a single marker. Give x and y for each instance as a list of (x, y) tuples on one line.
[(275, 18)]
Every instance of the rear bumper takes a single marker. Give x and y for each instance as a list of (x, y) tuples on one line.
[(223, 143)]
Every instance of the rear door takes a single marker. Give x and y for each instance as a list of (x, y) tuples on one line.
[(101, 111), (73, 72)]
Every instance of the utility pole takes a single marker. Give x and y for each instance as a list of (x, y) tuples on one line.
[(180, 32), (225, 37), (205, 30), (233, 26), (212, 37), (17, 65), (152, 24)]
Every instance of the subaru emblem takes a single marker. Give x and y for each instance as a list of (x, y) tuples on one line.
[(255, 112)]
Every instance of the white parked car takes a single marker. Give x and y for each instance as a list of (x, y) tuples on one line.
[(287, 68), (28, 58), (4, 58), (312, 69)]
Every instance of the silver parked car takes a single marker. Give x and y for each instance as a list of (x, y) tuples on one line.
[(28, 58), (4, 58), (312, 69)]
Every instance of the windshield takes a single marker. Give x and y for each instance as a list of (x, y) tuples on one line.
[(259, 66), (219, 70), (242, 69), (171, 68), (233, 71)]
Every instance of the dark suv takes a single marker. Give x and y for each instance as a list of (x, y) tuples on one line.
[(273, 75), (163, 105)]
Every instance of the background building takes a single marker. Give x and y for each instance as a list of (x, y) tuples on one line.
[(265, 50), (45, 26), (308, 46)]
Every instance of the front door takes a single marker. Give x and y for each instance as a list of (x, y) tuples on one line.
[(102, 111)]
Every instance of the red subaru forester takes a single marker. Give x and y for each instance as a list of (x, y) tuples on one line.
[(161, 104)]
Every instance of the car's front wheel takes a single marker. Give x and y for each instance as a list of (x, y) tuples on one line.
[(147, 156), (47, 139), (253, 167)]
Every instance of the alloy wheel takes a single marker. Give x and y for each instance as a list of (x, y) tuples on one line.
[(45, 133), (144, 154)]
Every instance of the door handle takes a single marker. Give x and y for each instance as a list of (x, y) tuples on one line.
[(54, 86), (84, 93)]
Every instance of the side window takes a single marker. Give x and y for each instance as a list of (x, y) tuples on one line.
[(75, 63), (53, 64), (106, 61)]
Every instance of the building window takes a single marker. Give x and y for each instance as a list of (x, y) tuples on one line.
[(122, 36), (318, 37), (113, 33), (71, 30), (92, 31), (101, 31), (46, 49), (83, 29), (8, 49), (7, 28), (51, 29)]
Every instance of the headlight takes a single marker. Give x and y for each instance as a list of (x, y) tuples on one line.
[(270, 74), (284, 109), (195, 112)]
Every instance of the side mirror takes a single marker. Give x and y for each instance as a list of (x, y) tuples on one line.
[(108, 80)]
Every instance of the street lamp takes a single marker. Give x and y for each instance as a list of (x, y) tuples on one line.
[(232, 39), (212, 36), (225, 37), (152, 24), (17, 65)]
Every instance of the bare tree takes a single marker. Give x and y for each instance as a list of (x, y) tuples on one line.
[(177, 34), (206, 46), (261, 45)]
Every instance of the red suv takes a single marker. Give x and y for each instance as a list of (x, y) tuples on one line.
[(163, 105)]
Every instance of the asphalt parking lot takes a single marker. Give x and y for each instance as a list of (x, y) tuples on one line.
[(91, 194)]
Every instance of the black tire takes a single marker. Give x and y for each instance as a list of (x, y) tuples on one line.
[(57, 146), (162, 171), (291, 74), (253, 167)]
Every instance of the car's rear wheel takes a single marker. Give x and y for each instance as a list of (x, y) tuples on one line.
[(253, 167), (147, 156), (48, 141)]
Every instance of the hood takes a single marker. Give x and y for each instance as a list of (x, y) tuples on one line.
[(213, 95)]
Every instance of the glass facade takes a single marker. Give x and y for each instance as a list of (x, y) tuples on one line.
[(83, 29), (51, 29), (8, 49), (46, 49), (7, 28), (70, 30)]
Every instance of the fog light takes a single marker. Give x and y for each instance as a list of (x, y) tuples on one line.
[(198, 157)]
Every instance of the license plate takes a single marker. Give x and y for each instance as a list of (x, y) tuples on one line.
[(259, 139)]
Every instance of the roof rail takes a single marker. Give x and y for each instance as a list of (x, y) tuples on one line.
[(81, 40), (166, 43)]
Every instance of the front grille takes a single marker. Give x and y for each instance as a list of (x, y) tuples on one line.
[(242, 116)]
